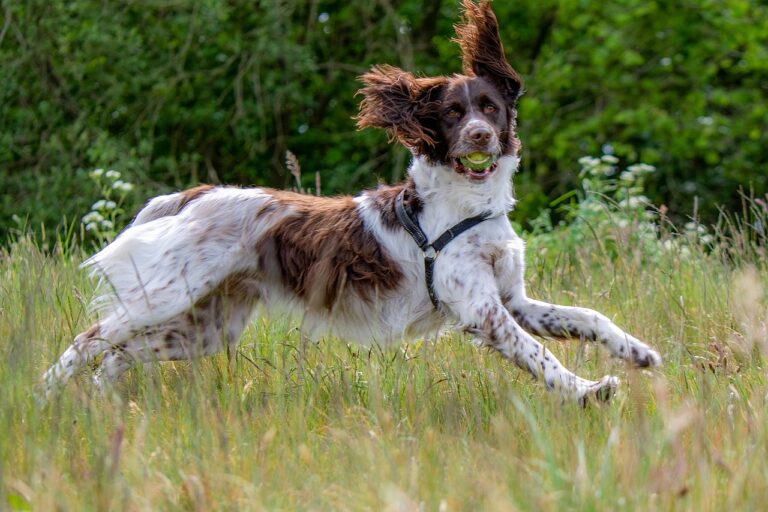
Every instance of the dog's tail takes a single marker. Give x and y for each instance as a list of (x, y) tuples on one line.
[(164, 262)]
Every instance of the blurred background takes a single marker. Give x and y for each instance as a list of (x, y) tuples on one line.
[(173, 93)]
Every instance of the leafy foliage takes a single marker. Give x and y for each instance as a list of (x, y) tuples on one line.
[(174, 93), (107, 216)]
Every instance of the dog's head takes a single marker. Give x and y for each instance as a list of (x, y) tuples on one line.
[(465, 121)]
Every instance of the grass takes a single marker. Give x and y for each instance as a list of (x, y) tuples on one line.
[(426, 426)]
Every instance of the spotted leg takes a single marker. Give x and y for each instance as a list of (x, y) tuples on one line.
[(215, 323), (476, 304), (573, 322), (563, 321), (86, 346)]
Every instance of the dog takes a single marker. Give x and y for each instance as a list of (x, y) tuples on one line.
[(398, 262)]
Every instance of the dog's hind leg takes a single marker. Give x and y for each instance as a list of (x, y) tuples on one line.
[(572, 322), (215, 323), (114, 363), (86, 346)]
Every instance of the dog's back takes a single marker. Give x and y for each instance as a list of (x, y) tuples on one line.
[(171, 204)]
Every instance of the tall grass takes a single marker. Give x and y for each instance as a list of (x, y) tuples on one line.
[(428, 426)]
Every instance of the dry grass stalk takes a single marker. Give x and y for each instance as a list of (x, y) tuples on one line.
[(750, 313)]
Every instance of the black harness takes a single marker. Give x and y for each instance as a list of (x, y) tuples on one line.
[(431, 251)]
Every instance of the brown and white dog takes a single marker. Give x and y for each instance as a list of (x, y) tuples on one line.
[(183, 280)]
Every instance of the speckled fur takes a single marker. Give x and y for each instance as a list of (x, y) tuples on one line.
[(183, 280)]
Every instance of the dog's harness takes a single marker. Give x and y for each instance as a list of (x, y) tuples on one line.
[(431, 251)]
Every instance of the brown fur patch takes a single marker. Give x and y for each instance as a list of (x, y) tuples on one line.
[(383, 199), (482, 51), (193, 193), (155, 210), (91, 332), (403, 104), (323, 248)]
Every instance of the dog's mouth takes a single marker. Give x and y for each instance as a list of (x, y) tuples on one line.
[(476, 166)]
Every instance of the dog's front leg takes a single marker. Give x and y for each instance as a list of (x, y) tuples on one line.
[(492, 323), (474, 300), (556, 321)]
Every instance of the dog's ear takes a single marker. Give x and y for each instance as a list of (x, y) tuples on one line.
[(482, 51), (403, 104)]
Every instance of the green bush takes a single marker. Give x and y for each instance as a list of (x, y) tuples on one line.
[(174, 93)]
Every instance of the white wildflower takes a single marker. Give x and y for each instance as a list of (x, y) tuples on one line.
[(609, 159), (634, 202), (647, 228), (627, 176), (600, 169), (92, 217), (126, 187), (110, 205), (589, 161), (96, 173), (593, 171), (98, 205), (107, 224), (112, 174), (695, 227), (639, 169), (91, 226), (118, 184)]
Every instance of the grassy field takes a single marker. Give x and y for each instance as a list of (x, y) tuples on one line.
[(429, 426)]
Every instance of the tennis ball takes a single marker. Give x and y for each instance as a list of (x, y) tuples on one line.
[(477, 161)]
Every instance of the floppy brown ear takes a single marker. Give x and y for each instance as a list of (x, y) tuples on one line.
[(403, 104), (482, 51)]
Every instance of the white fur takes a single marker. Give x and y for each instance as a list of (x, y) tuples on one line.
[(192, 249)]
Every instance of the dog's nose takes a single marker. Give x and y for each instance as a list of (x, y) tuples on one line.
[(480, 134)]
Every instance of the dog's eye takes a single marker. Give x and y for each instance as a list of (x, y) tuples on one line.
[(490, 108), (452, 113)]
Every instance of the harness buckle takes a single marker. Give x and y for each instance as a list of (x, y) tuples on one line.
[(431, 253), (411, 225)]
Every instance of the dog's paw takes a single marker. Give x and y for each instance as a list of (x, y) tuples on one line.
[(644, 357), (601, 391)]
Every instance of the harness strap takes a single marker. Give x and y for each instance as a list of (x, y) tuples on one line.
[(410, 222), (431, 251)]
